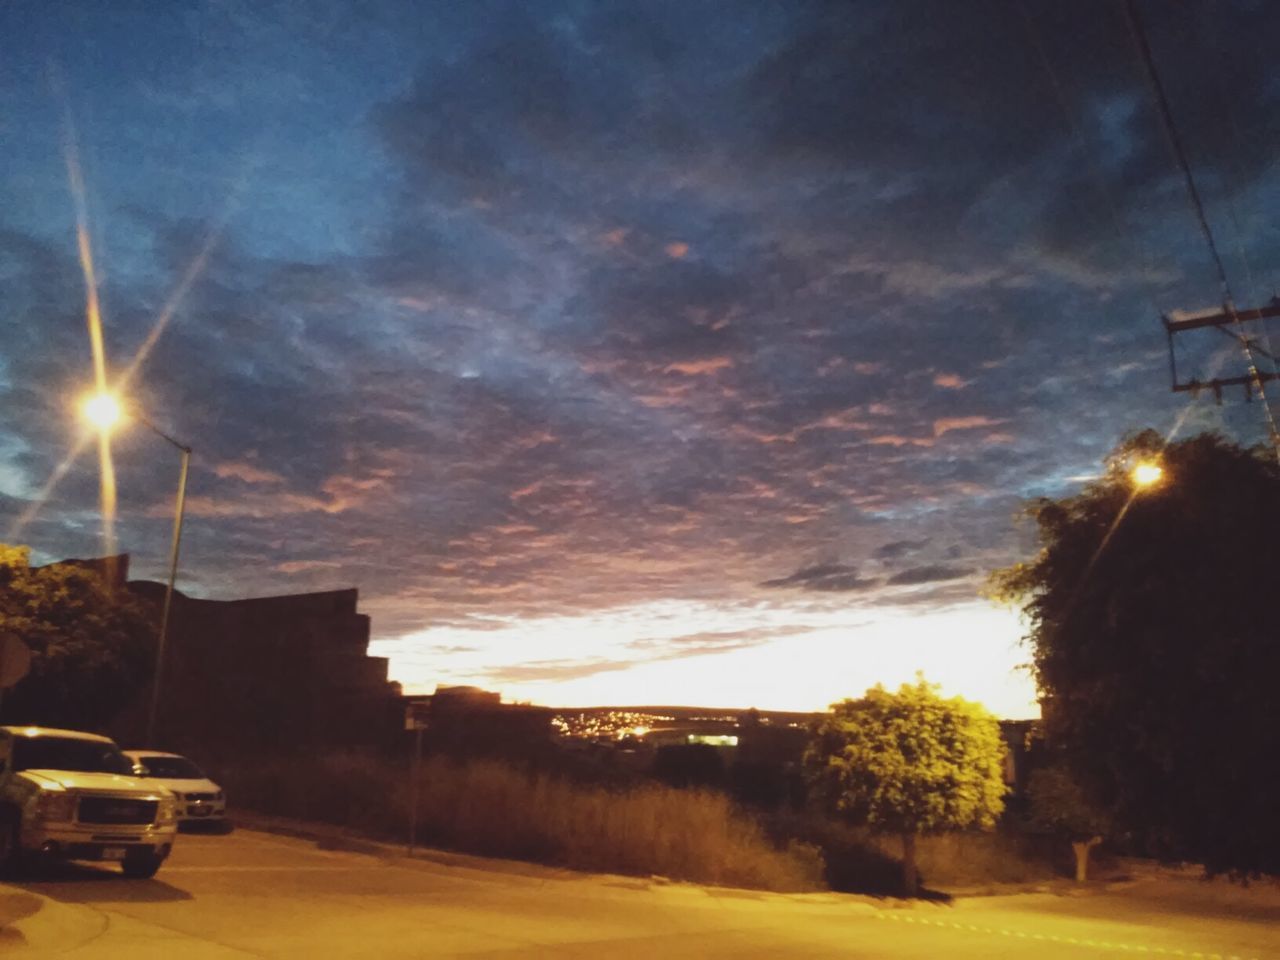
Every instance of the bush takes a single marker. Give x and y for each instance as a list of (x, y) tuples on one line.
[(860, 861), (853, 861), (489, 808)]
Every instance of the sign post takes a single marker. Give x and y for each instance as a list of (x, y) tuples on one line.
[(415, 719)]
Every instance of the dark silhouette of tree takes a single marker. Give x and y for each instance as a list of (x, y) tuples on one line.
[(1059, 805), (91, 647), (908, 763), (1154, 637), (689, 765)]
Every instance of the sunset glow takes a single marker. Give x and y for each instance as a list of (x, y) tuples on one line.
[(736, 657)]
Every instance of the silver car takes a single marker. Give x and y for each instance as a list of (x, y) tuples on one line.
[(198, 797)]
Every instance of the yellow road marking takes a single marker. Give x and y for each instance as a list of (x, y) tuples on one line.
[(1051, 938)]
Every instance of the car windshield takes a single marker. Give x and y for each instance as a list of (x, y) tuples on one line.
[(65, 753), (170, 768)]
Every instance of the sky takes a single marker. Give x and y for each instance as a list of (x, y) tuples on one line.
[(621, 353)]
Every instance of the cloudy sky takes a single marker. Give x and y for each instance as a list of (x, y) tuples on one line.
[(620, 352)]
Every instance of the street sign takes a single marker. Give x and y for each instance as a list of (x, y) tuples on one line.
[(416, 714), (15, 660)]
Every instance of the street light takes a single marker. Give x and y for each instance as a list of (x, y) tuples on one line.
[(1146, 474), (104, 411)]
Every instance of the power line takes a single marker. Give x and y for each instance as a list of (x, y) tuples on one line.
[(1175, 142)]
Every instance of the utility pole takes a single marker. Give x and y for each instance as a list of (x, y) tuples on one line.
[(1221, 319)]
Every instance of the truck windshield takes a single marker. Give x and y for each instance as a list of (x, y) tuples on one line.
[(64, 753), (170, 768)]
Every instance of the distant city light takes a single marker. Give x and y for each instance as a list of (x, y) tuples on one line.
[(712, 739)]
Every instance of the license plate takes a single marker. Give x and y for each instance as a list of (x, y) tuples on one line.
[(114, 853)]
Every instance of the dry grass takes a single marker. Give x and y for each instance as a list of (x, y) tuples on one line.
[(490, 808), (972, 859)]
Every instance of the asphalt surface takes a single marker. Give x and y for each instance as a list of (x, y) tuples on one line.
[(253, 894)]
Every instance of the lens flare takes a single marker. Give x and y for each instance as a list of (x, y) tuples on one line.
[(14, 533), (93, 318)]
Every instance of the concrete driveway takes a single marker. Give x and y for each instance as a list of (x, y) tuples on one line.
[(258, 895)]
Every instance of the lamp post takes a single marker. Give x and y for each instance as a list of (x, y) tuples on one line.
[(104, 411)]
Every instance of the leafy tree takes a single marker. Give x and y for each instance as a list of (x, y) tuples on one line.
[(1152, 626), (1058, 804), (908, 763), (90, 646)]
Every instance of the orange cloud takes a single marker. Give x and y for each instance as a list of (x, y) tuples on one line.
[(947, 424), (508, 529), (537, 439), (893, 440), (866, 368), (616, 237), (247, 472), (844, 420), (950, 381), (528, 491), (693, 368), (676, 250), (761, 437), (341, 493), (299, 566)]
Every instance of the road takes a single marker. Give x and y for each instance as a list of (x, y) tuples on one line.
[(253, 894)]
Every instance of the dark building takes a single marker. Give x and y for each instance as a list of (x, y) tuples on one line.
[(468, 721), (262, 676)]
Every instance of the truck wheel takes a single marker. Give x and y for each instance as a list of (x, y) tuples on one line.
[(141, 866)]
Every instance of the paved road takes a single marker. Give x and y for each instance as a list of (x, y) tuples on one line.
[(257, 895)]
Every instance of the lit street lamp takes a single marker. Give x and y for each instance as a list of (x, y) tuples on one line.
[(1146, 474), (104, 411)]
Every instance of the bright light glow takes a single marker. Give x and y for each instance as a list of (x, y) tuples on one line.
[(93, 317), (639, 731), (1146, 474), (726, 655), (713, 739), (102, 410)]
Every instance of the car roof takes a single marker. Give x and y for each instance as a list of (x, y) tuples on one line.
[(33, 732)]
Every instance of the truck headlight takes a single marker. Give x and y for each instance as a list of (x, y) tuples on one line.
[(166, 810), (56, 805)]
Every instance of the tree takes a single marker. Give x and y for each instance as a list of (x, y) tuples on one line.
[(908, 763), (90, 647), (1058, 804), (1152, 627)]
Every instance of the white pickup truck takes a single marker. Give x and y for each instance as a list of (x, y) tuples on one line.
[(72, 795)]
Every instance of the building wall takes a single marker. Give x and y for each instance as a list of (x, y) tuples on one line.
[(269, 675)]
